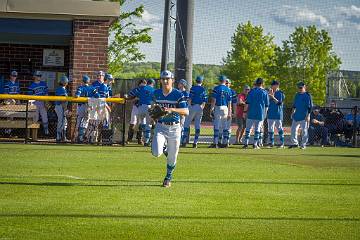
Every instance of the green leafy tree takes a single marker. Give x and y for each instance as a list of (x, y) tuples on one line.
[(125, 39), (306, 56), (252, 54)]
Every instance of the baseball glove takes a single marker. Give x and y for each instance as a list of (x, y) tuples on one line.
[(157, 112)]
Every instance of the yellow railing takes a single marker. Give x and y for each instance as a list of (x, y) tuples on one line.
[(56, 98)]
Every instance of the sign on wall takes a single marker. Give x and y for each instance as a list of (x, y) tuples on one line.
[(53, 57)]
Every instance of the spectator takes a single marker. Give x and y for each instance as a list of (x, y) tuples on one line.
[(241, 121), (317, 129), (334, 120)]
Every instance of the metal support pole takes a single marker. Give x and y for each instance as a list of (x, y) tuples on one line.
[(166, 36), (354, 142), (184, 40), (123, 124), (26, 122)]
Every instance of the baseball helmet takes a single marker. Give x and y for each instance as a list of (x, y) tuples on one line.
[(64, 80), (199, 79), (86, 79), (166, 74), (14, 73)]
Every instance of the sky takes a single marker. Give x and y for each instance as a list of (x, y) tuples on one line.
[(216, 20)]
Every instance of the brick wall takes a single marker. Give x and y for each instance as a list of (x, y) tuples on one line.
[(25, 59), (88, 52)]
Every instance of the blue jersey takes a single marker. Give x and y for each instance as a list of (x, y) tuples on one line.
[(222, 95), (302, 104), (258, 100), (11, 88), (87, 91), (110, 90), (103, 90), (60, 91), (38, 89), (198, 95), (276, 109), (175, 99), (144, 94), (186, 95), (233, 96)]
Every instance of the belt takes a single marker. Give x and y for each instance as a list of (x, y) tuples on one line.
[(169, 123)]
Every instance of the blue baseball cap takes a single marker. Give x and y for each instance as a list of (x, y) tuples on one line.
[(300, 84), (166, 74), (259, 81), (86, 79), (108, 76), (37, 74), (64, 79), (275, 82), (183, 82), (14, 73), (150, 81), (199, 79), (222, 78), (101, 73)]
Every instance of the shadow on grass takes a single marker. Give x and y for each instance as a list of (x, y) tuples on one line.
[(114, 216), (151, 183)]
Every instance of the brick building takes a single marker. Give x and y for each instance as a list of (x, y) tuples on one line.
[(56, 37)]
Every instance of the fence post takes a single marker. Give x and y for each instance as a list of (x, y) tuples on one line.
[(26, 122), (123, 123), (354, 142)]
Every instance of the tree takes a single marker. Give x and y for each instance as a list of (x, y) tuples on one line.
[(125, 39), (306, 56), (251, 56)]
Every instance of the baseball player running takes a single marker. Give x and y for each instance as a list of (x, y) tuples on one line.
[(40, 88), (257, 102), (275, 113), (60, 109), (197, 101), (145, 95), (168, 129), (301, 116), (221, 109)]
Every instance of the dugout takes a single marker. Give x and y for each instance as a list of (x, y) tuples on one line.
[(55, 37)]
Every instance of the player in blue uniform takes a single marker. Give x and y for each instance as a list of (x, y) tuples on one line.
[(61, 110), (40, 88), (108, 80), (145, 95), (233, 93), (11, 87), (197, 101), (257, 102), (100, 78), (167, 128), (221, 109), (301, 116), (182, 84), (82, 121), (134, 120), (275, 113)]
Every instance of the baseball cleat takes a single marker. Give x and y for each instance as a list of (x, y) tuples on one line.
[(293, 146), (183, 145), (256, 146), (194, 145), (303, 147), (245, 146), (147, 144), (214, 146), (166, 183), (270, 145), (282, 146)]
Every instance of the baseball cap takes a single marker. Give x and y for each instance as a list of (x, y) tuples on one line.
[(316, 108), (64, 79), (150, 81), (199, 79), (166, 74), (86, 79), (228, 80), (37, 74), (275, 82), (259, 81), (300, 84), (222, 78), (108, 76), (247, 87), (101, 73), (183, 82), (14, 73)]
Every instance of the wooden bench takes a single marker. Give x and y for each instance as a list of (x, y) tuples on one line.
[(11, 124)]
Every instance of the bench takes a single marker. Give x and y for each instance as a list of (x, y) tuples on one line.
[(11, 124)]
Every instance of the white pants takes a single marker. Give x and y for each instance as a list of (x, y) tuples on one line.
[(169, 135), (61, 122), (220, 117), (143, 115), (274, 123), (195, 113), (257, 124), (41, 110), (134, 115), (82, 116), (294, 131)]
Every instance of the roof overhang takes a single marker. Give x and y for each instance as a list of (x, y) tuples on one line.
[(59, 9)]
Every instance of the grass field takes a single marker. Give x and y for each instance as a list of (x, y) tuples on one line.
[(89, 192)]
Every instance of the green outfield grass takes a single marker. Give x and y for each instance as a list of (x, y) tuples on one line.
[(90, 192)]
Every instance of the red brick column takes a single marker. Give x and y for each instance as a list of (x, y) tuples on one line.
[(88, 51)]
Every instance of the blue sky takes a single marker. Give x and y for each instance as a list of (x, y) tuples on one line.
[(216, 20)]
